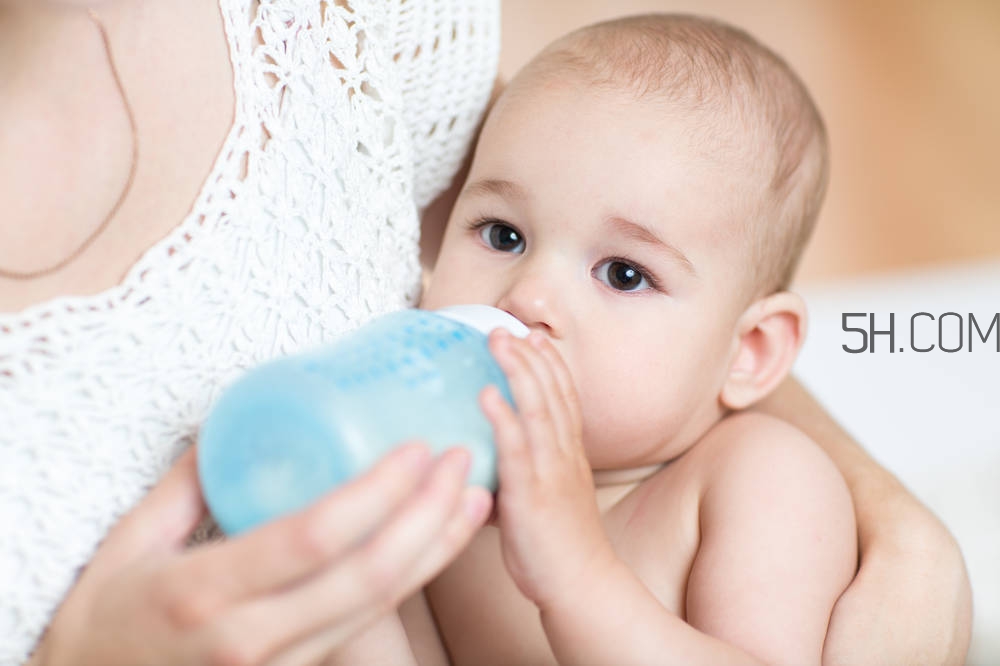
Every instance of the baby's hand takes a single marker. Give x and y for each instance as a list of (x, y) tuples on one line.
[(551, 532)]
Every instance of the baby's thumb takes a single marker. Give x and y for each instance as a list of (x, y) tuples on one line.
[(163, 520)]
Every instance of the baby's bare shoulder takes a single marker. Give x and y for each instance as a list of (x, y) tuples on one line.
[(762, 479), (755, 464), (746, 444), (752, 484), (761, 448), (777, 539)]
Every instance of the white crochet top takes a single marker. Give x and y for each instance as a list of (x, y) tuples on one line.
[(350, 117)]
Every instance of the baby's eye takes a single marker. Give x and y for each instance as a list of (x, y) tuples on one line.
[(621, 276), (502, 237)]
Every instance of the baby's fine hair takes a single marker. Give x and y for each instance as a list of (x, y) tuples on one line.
[(704, 65)]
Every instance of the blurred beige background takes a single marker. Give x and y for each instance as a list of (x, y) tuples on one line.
[(911, 95)]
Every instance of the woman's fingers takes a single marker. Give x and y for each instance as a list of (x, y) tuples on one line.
[(286, 550), (466, 518), (358, 586), (164, 519), (340, 563), (471, 513)]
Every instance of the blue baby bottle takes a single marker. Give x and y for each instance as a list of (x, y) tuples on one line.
[(291, 430)]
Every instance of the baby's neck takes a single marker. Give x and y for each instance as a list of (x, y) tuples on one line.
[(612, 485), (619, 477)]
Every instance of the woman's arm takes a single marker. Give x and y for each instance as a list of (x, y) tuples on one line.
[(910, 602)]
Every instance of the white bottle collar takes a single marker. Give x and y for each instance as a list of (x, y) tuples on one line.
[(484, 318)]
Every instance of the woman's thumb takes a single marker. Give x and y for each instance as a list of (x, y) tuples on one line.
[(164, 519)]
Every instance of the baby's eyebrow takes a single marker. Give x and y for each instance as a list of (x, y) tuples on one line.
[(643, 234), (503, 188)]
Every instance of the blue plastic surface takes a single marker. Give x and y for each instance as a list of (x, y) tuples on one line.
[(291, 430)]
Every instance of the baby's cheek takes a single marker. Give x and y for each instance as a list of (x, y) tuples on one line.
[(638, 423), (439, 293), (609, 431)]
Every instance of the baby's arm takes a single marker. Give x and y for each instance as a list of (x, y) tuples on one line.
[(777, 535), (777, 548), (384, 643), (883, 616), (407, 637), (777, 541)]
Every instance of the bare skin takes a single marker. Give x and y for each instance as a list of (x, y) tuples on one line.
[(899, 541), (68, 169)]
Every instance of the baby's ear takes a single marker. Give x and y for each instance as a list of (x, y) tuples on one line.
[(768, 337)]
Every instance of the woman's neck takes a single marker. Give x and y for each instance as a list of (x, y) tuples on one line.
[(40, 42), (44, 42)]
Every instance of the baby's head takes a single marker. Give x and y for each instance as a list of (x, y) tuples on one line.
[(641, 193)]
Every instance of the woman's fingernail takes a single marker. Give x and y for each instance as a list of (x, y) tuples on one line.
[(459, 459), (416, 455), (536, 339), (476, 504)]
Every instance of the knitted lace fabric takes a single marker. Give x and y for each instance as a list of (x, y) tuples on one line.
[(351, 115)]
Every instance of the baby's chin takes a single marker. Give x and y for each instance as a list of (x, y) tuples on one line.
[(610, 467)]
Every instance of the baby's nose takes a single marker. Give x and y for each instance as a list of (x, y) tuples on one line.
[(536, 305)]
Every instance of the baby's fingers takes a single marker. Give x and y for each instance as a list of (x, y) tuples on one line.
[(514, 459), (564, 381), (545, 362), (529, 390)]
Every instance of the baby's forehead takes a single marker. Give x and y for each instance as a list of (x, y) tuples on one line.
[(720, 74), (742, 105), (693, 62), (722, 132), (703, 167)]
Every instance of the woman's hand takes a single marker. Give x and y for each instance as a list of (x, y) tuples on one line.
[(550, 527), (288, 592), (910, 602)]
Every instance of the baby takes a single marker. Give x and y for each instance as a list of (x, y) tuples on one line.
[(639, 197)]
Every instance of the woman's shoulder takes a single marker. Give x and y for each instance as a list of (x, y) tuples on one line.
[(368, 68), (446, 55)]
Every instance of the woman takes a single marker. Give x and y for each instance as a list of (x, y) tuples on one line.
[(173, 215)]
